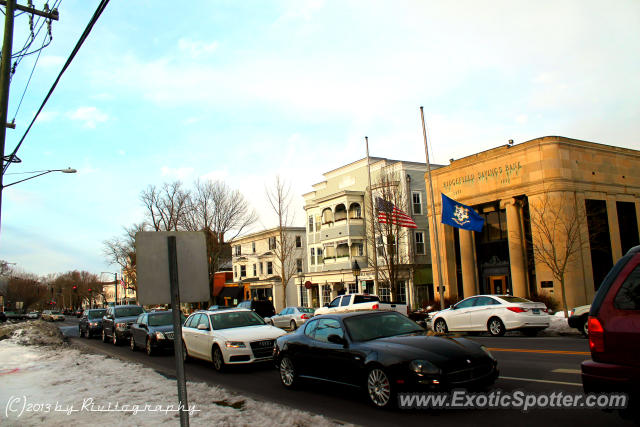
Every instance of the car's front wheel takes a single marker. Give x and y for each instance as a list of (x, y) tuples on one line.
[(218, 359), (440, 326), (149, 348), (495, 327), (288, 375), (104, 336), (132, 343), (378, 388), (585, 327)]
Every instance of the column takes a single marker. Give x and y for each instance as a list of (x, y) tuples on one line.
[(637, 203), (516, 247), (467, 260), (614, 228)]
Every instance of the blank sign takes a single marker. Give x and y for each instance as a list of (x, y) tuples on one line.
[(152, 266)]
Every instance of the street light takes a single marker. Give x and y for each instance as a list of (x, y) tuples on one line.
[(67, 170), (355, 270)]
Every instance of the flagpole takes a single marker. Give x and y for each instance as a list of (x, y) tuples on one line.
[(433, 214), (373, 224)]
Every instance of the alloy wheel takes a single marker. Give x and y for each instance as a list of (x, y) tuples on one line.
[(132, 343), (378, 387), (585, 328), (440, 326), (294, 326), (218, 360), (496, 328), (287, 372)]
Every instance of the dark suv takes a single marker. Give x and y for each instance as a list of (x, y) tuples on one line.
[(117, 320), (91, 322), (614, 334), (264, 308)]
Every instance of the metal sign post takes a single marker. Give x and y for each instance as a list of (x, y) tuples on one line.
[(177, 331)]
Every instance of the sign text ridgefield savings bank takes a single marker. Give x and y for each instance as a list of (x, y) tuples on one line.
[(503, 174)]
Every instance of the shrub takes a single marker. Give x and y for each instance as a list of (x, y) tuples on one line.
[(548, 300)]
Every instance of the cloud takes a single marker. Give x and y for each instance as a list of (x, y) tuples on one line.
[(177, 173), (90, 116), (196, 49), (522, 119)]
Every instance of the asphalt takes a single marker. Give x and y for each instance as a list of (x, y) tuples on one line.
[(539, 364)]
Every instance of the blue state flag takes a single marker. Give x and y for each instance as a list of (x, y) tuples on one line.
[(461, 216)]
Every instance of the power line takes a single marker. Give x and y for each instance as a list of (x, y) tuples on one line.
[(83, 37)]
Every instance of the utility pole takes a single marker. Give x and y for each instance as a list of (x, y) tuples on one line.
[(5, 71), (115, 282)]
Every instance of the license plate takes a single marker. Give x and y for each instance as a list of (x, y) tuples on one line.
[(536, 311)]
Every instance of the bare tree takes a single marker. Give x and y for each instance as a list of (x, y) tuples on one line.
[(122, 251), (222, 214), (556, 225), (390, 236), (166, 206), (279, 197), (23, 288)]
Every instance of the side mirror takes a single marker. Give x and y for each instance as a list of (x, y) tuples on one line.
[(203, 327), (326, 305), (336, 339)]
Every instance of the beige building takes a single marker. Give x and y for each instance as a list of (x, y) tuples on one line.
[(599, 184), (256, 266), (339, 234)]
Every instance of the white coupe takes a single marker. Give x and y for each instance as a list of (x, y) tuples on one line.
[(495, 314), (228, 337)]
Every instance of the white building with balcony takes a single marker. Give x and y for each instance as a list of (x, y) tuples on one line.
[(257, 268), (338, 233)]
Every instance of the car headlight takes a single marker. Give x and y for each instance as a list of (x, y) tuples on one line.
[(93, 324), (424, 367), (234, 344), (488, 353), (121, 325), (160, 335)]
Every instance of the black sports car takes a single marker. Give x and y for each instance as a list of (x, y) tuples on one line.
[(383, 352)]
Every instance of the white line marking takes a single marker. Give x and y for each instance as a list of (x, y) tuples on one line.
[(567, 371), (540, 381)]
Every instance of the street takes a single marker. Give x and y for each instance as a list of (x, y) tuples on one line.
[(539, 364)]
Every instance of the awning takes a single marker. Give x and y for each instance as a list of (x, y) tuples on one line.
[(234, 292)]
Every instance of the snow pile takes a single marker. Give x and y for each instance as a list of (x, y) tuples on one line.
[(559, 325), (36, 332), (63, 386)]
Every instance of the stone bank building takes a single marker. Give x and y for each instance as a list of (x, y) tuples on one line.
[(600, 182)]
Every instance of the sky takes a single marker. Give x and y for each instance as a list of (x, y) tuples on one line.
[(246, 91)]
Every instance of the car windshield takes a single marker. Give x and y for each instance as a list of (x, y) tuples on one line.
[(513, 299), (235, 319), (163, 319), (306, 310), (134, 310), (96, 314), (371, 326), (55, 312)]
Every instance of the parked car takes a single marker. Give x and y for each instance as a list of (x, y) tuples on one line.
[(229, 337), (291, 317), (579, 319), (3, 317), (153, 331), (33, 315), (15, 315), (264, 308), (614, 334), (116, 322), (91, 322), (355, 302), (383, 352), (495, 314), (218, 307), (79, 312), (52, 315)]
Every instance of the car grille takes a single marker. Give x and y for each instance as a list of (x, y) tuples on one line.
[(262, 348), (469, 374), (169, 335)]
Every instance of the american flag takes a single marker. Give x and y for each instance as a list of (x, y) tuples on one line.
[(388, 213)]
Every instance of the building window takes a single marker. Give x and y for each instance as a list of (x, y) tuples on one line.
[(272, 243), (353, 288), (326, 294), (318, 223), (261, 269), (255, 270), (313, 256), (310, 223), (384, 292), (380, 245), (253, 247), (243, 271), (304, 300), (416, 198), (355, 212), (238, 250), (298, 242), (419, 243), (402, 292), (320, 257), (235, 271), (357, 249), (269, 267), (299, 265)]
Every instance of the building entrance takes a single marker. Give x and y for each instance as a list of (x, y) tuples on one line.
[(497, 284)]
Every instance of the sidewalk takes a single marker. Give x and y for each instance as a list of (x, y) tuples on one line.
[(44, 381)]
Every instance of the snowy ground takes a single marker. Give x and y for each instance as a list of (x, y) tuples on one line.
[(43, 381)]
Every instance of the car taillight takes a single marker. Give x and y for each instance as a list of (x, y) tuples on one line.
[(517, 309), (304, 316), (375, 306), (546, 310), (596, 335)]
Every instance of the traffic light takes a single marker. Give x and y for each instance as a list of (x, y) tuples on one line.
[(75, 289), (89, 289)]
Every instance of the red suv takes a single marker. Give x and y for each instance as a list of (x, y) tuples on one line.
[(614, 333)]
